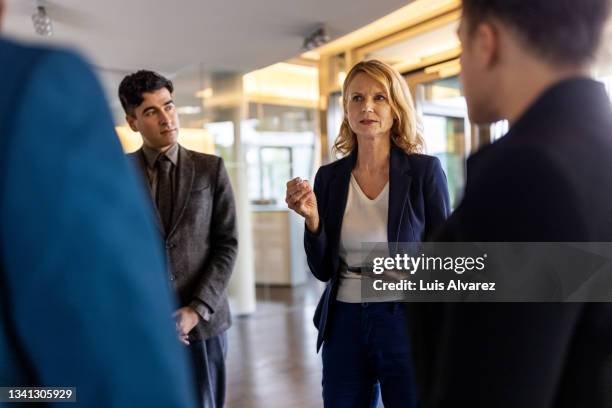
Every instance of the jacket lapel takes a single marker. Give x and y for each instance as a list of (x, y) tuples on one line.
[(399, 189), (184, 181), (338, 195)]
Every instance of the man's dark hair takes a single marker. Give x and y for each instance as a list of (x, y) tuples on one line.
[(134, 85), (563, 31)]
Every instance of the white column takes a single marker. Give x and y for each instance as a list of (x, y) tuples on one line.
[(241, 289)]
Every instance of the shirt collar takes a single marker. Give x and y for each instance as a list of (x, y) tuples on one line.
[(151, 155)]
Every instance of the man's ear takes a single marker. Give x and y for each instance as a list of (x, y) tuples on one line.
[(131, 120), (487, 41)]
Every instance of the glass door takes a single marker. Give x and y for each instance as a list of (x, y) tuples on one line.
[(446, 128), (449, 135)]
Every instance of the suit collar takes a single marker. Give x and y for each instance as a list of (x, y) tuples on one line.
[(338, 196), (399, 191), (574, 100), (151, 155), (398, 160)]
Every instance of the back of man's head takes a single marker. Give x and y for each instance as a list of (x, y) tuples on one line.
[(134, 85), (565, 32), (1, 12)]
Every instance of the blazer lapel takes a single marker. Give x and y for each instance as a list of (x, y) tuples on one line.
[(338, 195), (184, 181), (399, 189)]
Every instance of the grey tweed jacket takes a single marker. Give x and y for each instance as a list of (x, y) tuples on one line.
[(202, 242)]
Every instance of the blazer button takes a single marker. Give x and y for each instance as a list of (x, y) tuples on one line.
[(169, 245), (172, 277)]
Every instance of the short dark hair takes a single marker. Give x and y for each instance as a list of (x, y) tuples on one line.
[(134, 85), (562, 31)]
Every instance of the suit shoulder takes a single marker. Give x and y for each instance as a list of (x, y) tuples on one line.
[(204, 158), (511, 155), (330, 168), (206, 165), (133, 155), (26, 58), (423, 165), (20, 54), (43, 55), (58, 70), (422, 160), (29, 63)]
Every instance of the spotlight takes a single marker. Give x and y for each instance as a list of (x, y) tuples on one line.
[(315, 40), (42, 21)]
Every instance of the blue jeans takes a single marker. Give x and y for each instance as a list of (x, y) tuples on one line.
[(366, 353)]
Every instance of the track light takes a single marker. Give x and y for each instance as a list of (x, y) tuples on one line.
[(42, 21), (315, 40)]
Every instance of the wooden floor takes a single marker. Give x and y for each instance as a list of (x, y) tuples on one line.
[(272, 360)]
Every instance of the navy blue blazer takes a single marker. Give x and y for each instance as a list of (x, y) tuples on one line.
[(84, 300), (550, 180), (418, 205)]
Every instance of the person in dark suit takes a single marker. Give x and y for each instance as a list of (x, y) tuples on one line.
[(197, 219), (382, 191), (83, 297), (548, 179)]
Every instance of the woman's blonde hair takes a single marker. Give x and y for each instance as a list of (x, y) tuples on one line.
[(405, 132)]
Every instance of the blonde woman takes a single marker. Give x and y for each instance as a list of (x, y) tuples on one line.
[(383, 190)]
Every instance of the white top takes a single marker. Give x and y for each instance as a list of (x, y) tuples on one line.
[(364, 220)]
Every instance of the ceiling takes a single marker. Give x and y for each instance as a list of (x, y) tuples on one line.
[(185, 39), (229, 35)]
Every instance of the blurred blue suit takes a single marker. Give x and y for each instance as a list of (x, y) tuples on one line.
[(83, 295)]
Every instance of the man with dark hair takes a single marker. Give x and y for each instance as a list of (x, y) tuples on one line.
[(548, 179), (197, 219), (134, 86), (84, 302)]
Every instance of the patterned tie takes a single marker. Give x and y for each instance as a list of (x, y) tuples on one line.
[(164, 191)]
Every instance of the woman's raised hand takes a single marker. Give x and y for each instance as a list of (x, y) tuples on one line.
[(301, 198)]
